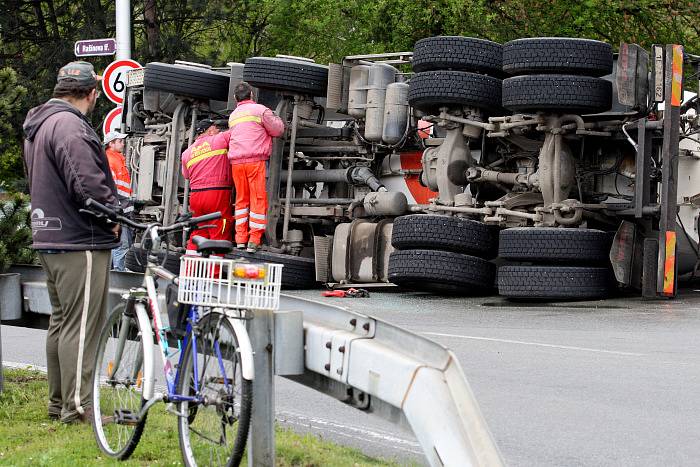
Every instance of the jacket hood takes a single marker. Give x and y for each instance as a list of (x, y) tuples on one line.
[(38, 115)]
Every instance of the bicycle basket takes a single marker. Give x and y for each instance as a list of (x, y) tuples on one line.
[(218, 282)]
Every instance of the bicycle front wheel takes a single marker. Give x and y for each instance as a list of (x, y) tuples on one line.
[(118, 385), (213, 429)]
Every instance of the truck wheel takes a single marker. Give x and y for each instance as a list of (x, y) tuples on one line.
[(557, 93), (136, 259), (286, 74), (554, 244), (189, 81), (458, 53), (442, 233), (297, 272), (441, 271), (554, 282), (557, 55), (429, 90)]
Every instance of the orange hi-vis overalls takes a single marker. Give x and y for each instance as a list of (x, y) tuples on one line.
[(205, 164), (122, 179), (252, 128)]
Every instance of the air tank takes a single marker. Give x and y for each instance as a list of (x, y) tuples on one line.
[(380, 76), (357, 93), (395, 112)]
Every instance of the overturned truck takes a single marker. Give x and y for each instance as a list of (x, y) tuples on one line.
[(541, 168)]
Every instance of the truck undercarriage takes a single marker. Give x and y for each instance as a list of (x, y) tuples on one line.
[(545, 167)]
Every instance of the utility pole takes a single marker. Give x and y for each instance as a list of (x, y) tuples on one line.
[(123, 16)]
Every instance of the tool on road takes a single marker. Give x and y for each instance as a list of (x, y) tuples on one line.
[(350, 293)]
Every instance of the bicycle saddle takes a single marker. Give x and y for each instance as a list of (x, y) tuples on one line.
[(207, 246)]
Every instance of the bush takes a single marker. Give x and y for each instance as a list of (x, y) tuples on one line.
[(15, 233)]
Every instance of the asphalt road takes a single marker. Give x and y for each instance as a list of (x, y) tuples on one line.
[(611, 382)]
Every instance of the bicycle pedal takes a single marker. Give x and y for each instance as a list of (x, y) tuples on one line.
[(217, 380), (126, 417)]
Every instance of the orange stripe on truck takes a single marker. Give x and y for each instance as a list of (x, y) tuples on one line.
[(677, 79), (670, 263)]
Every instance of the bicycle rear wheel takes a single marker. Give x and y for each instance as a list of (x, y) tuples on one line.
[(118, 385), (214, 430)]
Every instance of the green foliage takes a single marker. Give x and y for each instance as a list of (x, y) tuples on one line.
[(11, 96), (15, 233)]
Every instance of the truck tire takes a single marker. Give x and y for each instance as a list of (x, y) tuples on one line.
[(442, 233), (554, 245), (554, 282), (557, 93), (297, 272), (136, 259), (458, 53), (557, 55), (429, 90), (286, 74), (441, 271), (198, 83)]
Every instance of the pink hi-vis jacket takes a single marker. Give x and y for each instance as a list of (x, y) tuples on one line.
[(205, 164), (252, 128)]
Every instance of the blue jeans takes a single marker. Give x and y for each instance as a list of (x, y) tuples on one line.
[(119, 253)]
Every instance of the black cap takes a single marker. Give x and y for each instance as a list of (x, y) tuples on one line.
[(82, 72), (203, 125)]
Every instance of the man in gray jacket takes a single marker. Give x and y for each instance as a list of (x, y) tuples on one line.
[(66, 165)]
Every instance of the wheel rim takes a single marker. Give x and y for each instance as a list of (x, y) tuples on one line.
[(118, 384), (210, 431)]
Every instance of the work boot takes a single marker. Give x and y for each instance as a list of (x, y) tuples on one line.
[(252, 247), (240, 246)]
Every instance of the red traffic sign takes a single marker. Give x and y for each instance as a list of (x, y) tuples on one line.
[(114, 79), (113, 121)]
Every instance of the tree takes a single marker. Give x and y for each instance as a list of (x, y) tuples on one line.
[(11, 96)]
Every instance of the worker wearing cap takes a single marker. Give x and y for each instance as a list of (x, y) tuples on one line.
[(114, 147), (66, 165), (205, 164), (252, 128)]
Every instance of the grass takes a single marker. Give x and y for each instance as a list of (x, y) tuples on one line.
[(29, 438)]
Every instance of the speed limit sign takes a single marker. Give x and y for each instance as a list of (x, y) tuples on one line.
[(113, 121), (114, 79)]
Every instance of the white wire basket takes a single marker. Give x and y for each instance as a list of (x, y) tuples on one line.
[(214, 282)]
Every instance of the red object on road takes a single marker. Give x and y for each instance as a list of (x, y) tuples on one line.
[(350, 293)]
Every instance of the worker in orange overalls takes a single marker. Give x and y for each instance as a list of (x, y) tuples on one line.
[(114, 147), (205, 164), (252, 128)]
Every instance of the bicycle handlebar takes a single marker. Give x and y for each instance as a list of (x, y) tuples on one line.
[(114, 215)]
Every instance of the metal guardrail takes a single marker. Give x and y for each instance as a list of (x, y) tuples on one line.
[(362, 361)]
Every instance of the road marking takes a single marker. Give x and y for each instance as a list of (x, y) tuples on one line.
[(362, 434), (538, 344)]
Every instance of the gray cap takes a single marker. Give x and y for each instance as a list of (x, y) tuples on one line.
[(111, 136), (82, 72)]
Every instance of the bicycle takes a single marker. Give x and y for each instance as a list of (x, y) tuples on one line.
[(211, 383)]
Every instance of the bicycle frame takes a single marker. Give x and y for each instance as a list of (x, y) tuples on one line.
[(172, 377)]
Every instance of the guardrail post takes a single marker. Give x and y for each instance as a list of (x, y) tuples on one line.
[(261, 442)]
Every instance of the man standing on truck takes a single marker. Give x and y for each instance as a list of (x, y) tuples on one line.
[(205, 164), (252, 128), (66, 165), (114, 147)]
